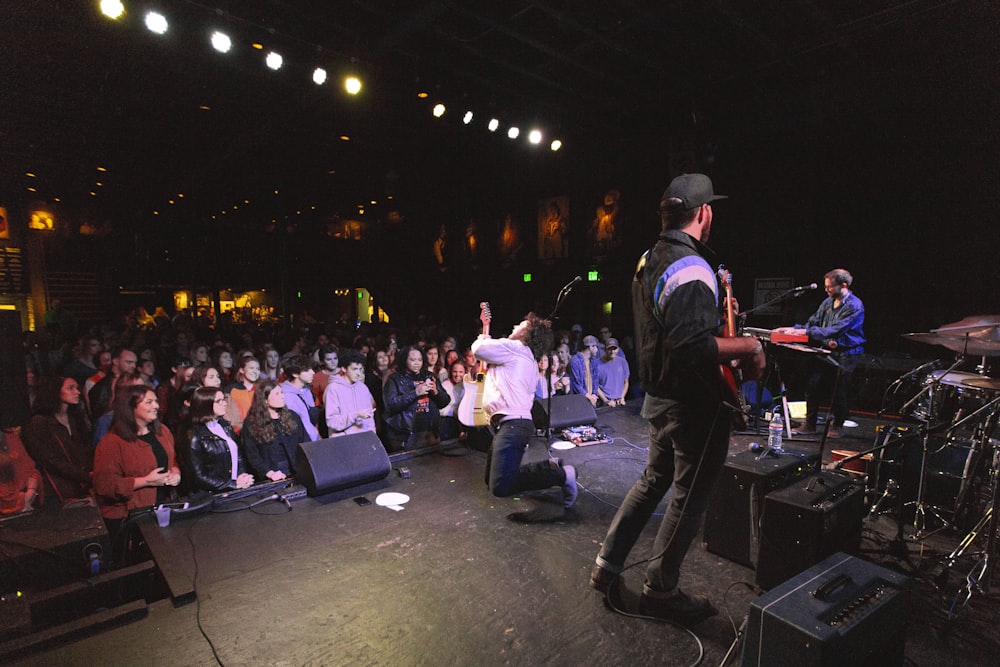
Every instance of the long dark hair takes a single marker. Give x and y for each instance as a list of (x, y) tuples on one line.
[(203, 404), (259, 423), (124, 424), (47, 402)]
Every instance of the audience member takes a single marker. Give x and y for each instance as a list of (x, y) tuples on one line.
[(84, 364), (212, 460), (271, 369), (349, 405), (58, 439), (272, 433), (413, 400), (454, 387), (241, 392), (134, 463), (612, 375), (331, 366), (103, 423), (123, 360), (20, 482), (298, 395), (583, 370)]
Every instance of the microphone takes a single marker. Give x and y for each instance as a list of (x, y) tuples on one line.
[(571, 284), (803, 288)]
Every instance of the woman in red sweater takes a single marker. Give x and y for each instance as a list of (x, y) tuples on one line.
[(134, 463)]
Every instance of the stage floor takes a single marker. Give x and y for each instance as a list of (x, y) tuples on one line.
[(450, 580)]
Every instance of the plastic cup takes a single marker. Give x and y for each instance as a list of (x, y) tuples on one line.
[(163, 516)]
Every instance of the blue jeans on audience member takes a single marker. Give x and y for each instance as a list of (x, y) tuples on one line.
[(687, 449), (505, 474)]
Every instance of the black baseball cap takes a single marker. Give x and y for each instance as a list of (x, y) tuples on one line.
[(692, 189)]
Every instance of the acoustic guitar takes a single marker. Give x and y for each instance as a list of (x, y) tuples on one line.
[(470, 410), (731, 376)]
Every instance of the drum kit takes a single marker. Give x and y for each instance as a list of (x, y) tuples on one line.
[(945, 465)]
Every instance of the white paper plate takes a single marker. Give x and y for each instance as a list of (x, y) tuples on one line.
[(392, 500), (850, 423), (562, 444)]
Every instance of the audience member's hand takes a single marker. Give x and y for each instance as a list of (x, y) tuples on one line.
[(275, 475), (244, 481), (156, 477)]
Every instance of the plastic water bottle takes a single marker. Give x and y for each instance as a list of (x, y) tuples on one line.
[(774, 430)]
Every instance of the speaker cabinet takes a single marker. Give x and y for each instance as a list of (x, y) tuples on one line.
[(842, 612), (340, 463), (732, 519), (13, 372), (567, 410), (807, 521)]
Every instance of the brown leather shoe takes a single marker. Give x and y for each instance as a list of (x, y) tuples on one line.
[(601, 579)]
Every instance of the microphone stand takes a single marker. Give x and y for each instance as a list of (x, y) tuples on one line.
[(563, 293)]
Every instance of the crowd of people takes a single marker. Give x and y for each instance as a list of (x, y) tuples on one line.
[(132, 417)]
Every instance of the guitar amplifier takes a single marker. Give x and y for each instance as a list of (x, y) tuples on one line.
[(842, 612), (732, 519), (807, 521)]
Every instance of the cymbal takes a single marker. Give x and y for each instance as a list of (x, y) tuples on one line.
[(985, 342), (983, 383), (971, 322)]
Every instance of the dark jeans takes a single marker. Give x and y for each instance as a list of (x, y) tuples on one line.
[(504, 472), (688, 446), (821, 376)]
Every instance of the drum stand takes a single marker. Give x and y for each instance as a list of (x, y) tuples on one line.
[(978, 578)]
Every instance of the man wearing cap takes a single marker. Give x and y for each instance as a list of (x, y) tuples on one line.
[(583, 370), (612, 375), (675, 298)]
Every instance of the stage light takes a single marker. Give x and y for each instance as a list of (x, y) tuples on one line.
[(113, 9), (352, 85), (439, 110), (221, 42), (319, 76), (535, 136), (422, 95), (513, 132), (555, 145), (274, 60), (493, 125), (467, 118), (156, 22)]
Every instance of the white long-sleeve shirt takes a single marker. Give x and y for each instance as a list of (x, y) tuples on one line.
[(509, 389)]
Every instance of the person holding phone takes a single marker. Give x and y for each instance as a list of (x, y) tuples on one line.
[(134, 465), (413, 401)]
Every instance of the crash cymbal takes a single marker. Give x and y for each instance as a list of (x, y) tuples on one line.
[(985, 342), (992, 384), (971, 322)]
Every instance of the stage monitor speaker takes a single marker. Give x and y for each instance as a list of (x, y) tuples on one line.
[(567, 410), (732, 519), (13, 372), (842, 612), (807, 521), (340, 463)]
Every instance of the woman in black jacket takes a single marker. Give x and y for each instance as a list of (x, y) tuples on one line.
[(213, 461), (413, 400), (271, 433)]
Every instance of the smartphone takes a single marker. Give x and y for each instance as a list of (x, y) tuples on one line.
[(361, 500)]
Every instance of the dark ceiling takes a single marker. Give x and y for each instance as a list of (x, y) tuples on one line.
[(166, 115), (857, 132)]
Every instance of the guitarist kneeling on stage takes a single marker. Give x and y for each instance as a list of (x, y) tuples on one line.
[(508, 394)]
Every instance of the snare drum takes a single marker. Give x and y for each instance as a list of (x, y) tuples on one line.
[(948, 396)]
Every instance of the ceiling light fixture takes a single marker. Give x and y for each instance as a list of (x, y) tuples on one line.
[(319, 76), (535, 136), (493, 125), (467, 118), (439, 110), (113, 9), (555, 145), (274, 60), (221, 42), (352, 85), (156, 22), (513, 132)]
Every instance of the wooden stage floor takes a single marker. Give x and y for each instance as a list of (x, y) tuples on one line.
[(449, 580)]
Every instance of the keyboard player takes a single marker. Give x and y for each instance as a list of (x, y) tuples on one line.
[(837, 325)]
